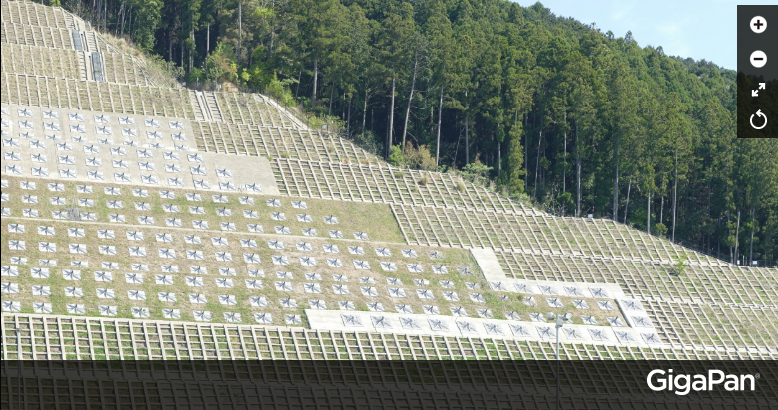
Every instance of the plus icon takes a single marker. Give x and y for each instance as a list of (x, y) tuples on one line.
[(758, 24)]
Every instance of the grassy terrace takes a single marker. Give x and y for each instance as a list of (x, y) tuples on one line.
[(712, 284), (351, 216), (577, 236), (375, 219), (452, 259)]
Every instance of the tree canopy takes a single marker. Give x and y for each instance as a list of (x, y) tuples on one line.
[(562, 114)]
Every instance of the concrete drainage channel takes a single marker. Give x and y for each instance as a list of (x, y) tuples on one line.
[(98, 67), (90, 58)]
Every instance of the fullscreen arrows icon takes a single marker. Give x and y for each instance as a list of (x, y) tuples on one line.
[(755, 93)]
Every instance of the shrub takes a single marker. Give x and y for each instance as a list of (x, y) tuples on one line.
[(279, 89), (477, 172), (396, 157), (521, 197), (419, 158), (681, 263), (461, 185), (195, 76), (369, 142), (220, 64)]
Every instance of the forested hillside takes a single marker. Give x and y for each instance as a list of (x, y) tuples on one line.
[(554, 111)]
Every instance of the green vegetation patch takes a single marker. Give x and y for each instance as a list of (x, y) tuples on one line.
[(376, 219)]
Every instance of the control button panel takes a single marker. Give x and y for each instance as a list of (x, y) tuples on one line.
[(757, 71)]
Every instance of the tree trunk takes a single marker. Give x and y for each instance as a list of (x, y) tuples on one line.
[(129, 30), (499, 161), (616, 181), (751, 243), (648, 218), (526, 154), (537, 167), (467, 133), (440, 117), (564, 166), (297, 90), (578, 184), (710, 177), (364, 112), (272, 40), (240, 28), (661, 209), (315, 79), (391, 120), (410, 97), (737, 236), (467, 139), (456, 151), (192, 46), (626, 206), (675, 192), (121, 33), (348, 119), (332, 90)]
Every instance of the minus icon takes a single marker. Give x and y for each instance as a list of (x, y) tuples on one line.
[(758, 59)]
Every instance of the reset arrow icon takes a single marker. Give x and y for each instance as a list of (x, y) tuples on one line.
[(759, 113)]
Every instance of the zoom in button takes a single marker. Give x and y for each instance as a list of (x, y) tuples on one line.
[(758, 24)]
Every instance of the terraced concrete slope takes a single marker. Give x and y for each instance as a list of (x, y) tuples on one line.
[(147, 221)]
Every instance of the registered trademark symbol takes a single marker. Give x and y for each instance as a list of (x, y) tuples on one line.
[(756, 376)]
